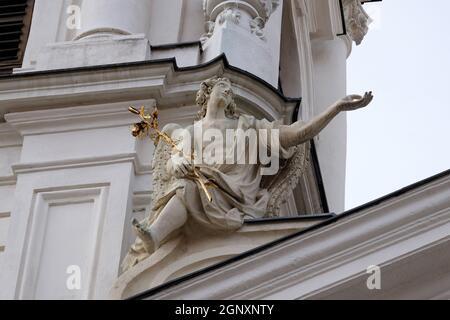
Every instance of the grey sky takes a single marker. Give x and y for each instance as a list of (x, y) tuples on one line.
[(403, 137)]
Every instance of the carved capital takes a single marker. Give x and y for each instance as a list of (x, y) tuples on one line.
[(229, 14), (356, 19), (257, 11)]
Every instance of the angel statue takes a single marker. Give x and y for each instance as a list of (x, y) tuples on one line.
[(235, 189)]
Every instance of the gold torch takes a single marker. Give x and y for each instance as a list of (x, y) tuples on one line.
[(149, 126)]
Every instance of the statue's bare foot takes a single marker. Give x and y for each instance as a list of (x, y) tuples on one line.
[(144, 235)]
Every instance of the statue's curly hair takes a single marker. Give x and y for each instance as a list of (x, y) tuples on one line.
[(203, 98)]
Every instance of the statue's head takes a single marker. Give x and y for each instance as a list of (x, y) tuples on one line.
[(216, 90)]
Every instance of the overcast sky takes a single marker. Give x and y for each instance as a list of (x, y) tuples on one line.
[(403, 137)]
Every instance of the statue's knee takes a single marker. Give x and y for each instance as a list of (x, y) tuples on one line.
[(189, 189)]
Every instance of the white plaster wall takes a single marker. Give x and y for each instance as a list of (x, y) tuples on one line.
[(6, 203), (95, 201), (289, 58), (8, 156), (160, 21), (71, 205), (131, 16), (10, 150), (166, 21), (45, 28), (65, 221), (193, 20), (273, 35), (77, 144)]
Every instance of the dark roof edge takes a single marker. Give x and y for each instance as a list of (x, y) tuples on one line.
[(397, 193), (290, 219), (269, 245), (319, 177), (221, 58), (168, 46)]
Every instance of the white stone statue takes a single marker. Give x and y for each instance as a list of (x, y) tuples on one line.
[(236, 187)]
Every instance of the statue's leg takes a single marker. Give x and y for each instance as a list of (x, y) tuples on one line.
[(171, 219), (144, 235)]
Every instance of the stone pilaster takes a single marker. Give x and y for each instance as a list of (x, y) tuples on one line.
[(249, 14), (239, 29)]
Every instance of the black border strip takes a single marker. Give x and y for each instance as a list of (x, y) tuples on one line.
[(169, 46), (290, 219), (344, 22), (327, 222), (319, 178)]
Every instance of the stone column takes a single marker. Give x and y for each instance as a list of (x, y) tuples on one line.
[(105, 18), (238, 29)]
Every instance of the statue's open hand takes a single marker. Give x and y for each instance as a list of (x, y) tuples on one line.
[(182, 167), (354, 102)]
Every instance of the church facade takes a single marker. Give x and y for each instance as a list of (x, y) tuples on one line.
[(72, 177)]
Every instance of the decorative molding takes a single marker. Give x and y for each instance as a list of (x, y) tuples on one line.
[(4, 227), (117, 179), (101, 32), (161, 80), (9, 137), (4, 215), (229, 15), (219, 11), (8, 181), (307, 8), (335, 12), (301, 14), (209, 28), (356, 19), (44, 201), (257, 27), (74, 118), (140, 168)]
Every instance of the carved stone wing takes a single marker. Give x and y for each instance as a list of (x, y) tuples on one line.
[(280, 185), (161, 178)]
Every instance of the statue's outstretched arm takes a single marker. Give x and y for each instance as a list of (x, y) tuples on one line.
[(299, 133)]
